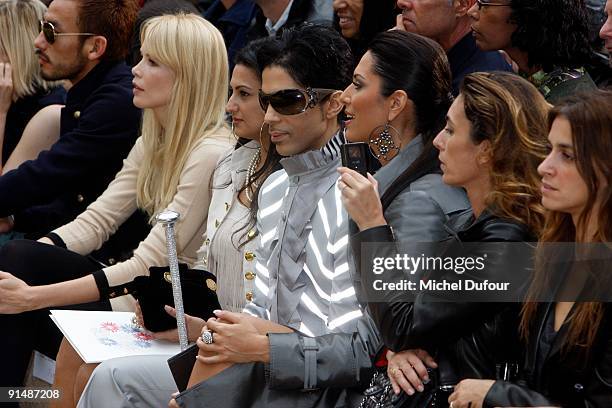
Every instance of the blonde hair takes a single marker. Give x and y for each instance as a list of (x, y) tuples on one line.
[(19, 20), (195, 51)]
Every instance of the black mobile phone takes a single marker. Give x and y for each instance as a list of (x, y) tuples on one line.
[(355, 156), (181, 366)]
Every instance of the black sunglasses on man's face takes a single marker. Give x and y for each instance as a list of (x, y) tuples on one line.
[(293, 101), (48, 30)]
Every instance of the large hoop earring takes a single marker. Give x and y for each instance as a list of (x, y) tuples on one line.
[(261, 144), (260, 132), (383, 145)]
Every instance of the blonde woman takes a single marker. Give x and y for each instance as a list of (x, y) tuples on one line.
[(182, 83), (23, 91)]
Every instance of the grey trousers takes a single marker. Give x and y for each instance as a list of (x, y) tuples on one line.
[(139, 381)]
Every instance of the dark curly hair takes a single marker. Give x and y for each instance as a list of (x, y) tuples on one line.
[(313, 55), (552, 32)]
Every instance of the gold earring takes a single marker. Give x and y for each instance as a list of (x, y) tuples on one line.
[(260, 131)]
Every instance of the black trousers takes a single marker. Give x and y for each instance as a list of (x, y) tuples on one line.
[(37, 264)]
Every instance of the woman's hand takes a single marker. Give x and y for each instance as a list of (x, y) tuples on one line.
[(407, 370), (16, 296), (194, 325), (470, 393), (235, 340), (6, 87), (360, 198)]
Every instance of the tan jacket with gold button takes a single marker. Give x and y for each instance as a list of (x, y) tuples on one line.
[(102, 218), (228, 179)]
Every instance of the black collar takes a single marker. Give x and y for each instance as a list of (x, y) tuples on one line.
[(86, 86)]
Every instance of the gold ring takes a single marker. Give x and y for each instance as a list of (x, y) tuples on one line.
[(393, 371)]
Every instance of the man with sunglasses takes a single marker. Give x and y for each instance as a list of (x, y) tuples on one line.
[(83, 42), (303, 330), (447, 23)]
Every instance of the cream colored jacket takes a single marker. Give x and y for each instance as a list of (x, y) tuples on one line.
[(102, 218)]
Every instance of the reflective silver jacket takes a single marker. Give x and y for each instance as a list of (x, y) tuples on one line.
[(303, 280)]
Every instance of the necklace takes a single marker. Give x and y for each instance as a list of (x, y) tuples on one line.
[(250, 182)]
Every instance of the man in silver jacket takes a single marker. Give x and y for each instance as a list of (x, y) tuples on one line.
[(322, 356)]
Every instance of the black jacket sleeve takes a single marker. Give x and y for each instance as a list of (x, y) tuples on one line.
[(428, 322), (107, 127)]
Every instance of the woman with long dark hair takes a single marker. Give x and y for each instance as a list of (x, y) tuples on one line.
[(569, 346), (491, 145), (397, 104)]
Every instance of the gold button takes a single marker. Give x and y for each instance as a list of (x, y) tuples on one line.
[(249, 256), (168, 277), (80, 198), (249, 275), (251, 234), (112, 261), (227, 207), (76, 114), (217, 223), (212, 285), (249, 296)]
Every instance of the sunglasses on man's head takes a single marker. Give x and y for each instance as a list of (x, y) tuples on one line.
[(482, 3), (293, 101), (48, 30)]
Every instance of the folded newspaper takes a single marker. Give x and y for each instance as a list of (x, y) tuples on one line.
[(99, 336)]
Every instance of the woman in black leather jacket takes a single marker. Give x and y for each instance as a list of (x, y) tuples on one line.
[(569, 344), (491, 145)]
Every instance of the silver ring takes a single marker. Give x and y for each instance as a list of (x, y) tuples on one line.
[(207, 337)]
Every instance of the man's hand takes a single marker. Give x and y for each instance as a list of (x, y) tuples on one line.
[(235, 340)]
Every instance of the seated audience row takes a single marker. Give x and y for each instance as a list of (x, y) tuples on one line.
[(170, 166), (283, 226)]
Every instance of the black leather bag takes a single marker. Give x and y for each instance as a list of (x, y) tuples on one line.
[(155, 291), (380, 394)]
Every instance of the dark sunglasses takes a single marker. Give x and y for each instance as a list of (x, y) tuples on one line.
[(48, 30), (293, 101), (482, 3)]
